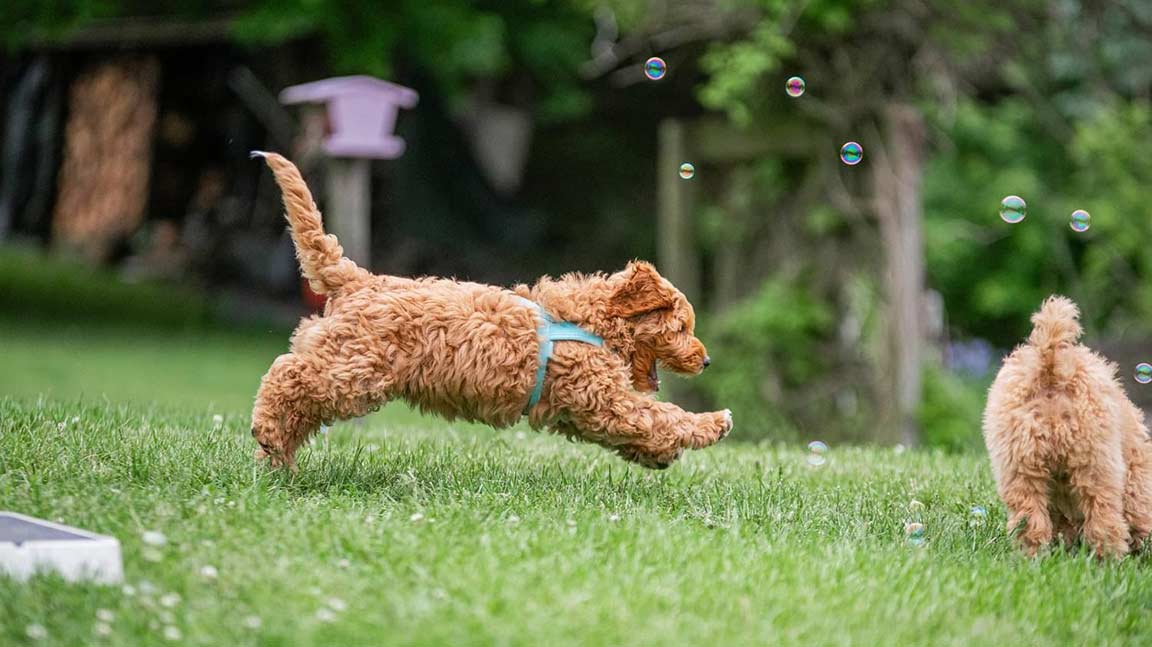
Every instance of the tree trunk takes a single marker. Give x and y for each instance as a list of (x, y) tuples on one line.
[(897, 175)]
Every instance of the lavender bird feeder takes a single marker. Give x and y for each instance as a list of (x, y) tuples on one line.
[(362, 113)]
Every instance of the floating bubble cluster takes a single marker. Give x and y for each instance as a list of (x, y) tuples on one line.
[(794, 87), (687, 171), (817, 453), (851, 153), (1080, 221), (655, 68), (1143, 373), (1013, 209)]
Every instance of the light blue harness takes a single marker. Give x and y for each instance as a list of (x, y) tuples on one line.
[(550, 331)]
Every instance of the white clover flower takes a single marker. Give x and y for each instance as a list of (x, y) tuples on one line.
[(153, 538), (170, 599), (36, 632), (253, 622), (172, 633), (105, 615), (208, 571)]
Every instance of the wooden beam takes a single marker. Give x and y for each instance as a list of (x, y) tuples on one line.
[(137, 32), (714, 139)]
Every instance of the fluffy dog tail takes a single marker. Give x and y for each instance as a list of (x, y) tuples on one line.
[(321, 257), (1055, 329)]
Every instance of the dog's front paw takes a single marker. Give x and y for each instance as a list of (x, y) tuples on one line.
[(710, 429)]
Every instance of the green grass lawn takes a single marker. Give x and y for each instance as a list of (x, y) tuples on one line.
[(427, 533), (409, 530)]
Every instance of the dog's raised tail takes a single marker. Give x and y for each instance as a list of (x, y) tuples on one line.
[(1055, 327), (321, 257)]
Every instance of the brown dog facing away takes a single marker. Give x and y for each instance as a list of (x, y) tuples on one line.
[(1069, 450), (466, 350)]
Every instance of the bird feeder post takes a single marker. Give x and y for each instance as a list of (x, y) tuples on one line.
[(362, 114)]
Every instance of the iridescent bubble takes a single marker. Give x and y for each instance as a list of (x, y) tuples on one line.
[(817, 451), (794, 87), (851, 153), (1144, 372), (977, 515), (915, 507), (1013, 209), (1081, 220), (687, 171), (655, 68), (914, 532)]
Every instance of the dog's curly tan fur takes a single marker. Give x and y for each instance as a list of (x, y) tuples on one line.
[(466, 350), (1070, 452)]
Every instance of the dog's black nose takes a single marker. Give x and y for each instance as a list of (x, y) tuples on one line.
[(707, 361)]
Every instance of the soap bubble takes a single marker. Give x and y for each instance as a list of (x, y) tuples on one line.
[(1144, 372), (1013, 209), (794, 87), (1080, 221), (817, 451), (851, 153), (977, 516), (914, 532), (915, 507), (655, 68), (687, 171)]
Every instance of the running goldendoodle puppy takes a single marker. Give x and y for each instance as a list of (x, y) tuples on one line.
[(1069, 451), (575, 354)]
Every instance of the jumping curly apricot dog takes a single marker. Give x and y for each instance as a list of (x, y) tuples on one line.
[(1070, 452), (574, 354)]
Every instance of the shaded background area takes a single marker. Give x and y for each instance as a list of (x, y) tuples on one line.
[(144, 256)]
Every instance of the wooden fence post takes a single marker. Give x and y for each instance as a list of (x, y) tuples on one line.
[(676, 254)]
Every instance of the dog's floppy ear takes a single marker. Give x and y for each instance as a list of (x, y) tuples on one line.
[(641, 290)]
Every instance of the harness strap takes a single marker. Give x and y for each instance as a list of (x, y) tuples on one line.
[(550, 331)]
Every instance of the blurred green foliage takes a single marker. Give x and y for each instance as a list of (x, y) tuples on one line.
[(453, 41), (758, 339), (949, 410)]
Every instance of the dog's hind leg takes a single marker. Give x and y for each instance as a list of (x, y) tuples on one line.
[(1138, 501), (1098, 482), (285, 413), (1022, 482)]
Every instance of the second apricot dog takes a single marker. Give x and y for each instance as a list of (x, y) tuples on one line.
[(466, 350), (1070, 452)]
